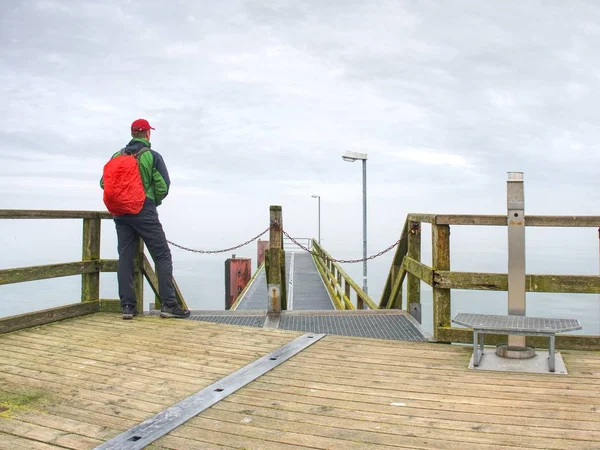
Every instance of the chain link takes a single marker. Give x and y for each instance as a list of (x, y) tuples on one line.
[(218, 251), (349, 261)]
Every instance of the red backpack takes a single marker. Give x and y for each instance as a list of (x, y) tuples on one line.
[(124, 191)]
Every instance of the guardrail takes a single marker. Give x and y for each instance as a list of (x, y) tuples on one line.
[(342, 289), (90, 267), (407, 265)]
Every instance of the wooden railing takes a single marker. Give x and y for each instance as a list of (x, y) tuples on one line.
[(90, 267), (407, 265), (342, 289)]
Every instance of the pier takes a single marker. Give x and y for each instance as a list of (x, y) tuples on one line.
[(78, 376)]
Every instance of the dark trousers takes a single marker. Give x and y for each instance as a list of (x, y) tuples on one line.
[(146, 225)]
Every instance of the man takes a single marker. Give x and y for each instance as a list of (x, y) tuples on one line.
[(154, 187)]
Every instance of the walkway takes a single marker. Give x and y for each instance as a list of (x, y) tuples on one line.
[(306, 290), (78, 383)]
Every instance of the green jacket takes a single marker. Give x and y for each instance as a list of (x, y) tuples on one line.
[(153, 170)]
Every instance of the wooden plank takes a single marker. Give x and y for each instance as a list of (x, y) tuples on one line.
[(424, 218), (440, 241), (47, 435), (413, 260), (530, 221), (419, 270), (109, 265), (110, 305), (387, 300), (138, 276), (52, 214), (563, 341), (90, 282), (32, 273), (46, 316), (582, 284)]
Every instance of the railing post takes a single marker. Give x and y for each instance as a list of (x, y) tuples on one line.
[(275, 262), (138, 275), (413, 283), (90, 282), (346, 291), (440, 240)]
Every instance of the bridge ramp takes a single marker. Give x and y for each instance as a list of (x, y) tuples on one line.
[(305, 287)]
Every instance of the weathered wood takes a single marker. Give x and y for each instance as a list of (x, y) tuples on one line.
[(419, 270), (46, 316), (22, 274), (395, 298), (109, 265), (530, 221), (52, 214), (386, 300), (273, 256), (423, 218), (321, 268), (152, 281), (582, 284), (413, 280), (138, 275), (441, 261), (368, 301), (90, 282), (110, 305), (563, 341)]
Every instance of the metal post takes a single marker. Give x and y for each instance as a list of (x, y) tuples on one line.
[(364, 166), (319, 202), (516, 251)]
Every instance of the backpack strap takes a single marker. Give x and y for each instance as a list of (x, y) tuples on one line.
[(141, 152)]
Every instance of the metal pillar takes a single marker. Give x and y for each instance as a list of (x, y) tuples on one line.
[(364, 167), (516, 250)]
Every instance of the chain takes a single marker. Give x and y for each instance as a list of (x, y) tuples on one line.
[(349, 260), (218, 251)]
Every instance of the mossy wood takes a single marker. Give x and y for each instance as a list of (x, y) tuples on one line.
[(413, 281), (27, 320)]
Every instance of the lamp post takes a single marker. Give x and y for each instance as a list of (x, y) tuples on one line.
[(318, 197), (351, 157)]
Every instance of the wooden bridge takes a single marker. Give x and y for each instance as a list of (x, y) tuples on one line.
[(77, 376)]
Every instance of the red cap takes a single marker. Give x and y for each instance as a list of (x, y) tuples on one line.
[(141, 125)]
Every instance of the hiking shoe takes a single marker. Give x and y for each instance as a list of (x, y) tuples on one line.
[(129, 312), (175, 312)]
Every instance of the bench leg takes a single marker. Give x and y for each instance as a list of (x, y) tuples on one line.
[(476, 354), (551, 359)]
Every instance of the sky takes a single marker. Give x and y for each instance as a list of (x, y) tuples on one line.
[(254, 102)]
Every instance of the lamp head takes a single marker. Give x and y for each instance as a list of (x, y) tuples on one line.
[(354, 156)]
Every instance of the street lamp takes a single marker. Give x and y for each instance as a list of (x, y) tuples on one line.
[(319, 199), (351, 157)]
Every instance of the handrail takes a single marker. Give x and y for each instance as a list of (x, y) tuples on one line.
[(334, 274), (407, 265), (89, 268)]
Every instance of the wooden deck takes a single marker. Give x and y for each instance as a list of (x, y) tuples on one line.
[(77, 383)]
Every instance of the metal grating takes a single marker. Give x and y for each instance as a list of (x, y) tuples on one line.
[(378, 326), (516, 323), (256, 295), (309, 291), (246, 321)]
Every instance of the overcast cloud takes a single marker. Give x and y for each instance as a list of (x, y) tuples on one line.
[(255, 101)]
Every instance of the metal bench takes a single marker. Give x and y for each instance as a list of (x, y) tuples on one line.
[(483, 324)]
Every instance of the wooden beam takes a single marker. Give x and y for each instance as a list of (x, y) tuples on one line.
[(153, 281), (574, 284), (530, 221), (419, 270), (32, 273), (109, 265), (386, 299), (564, 341), (440, 239), (110, 305), (138, 275), (90, 282), (413, 281), (52, 214), (29, 320)]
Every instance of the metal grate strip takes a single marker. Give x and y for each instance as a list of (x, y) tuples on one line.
[(164, 422)]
